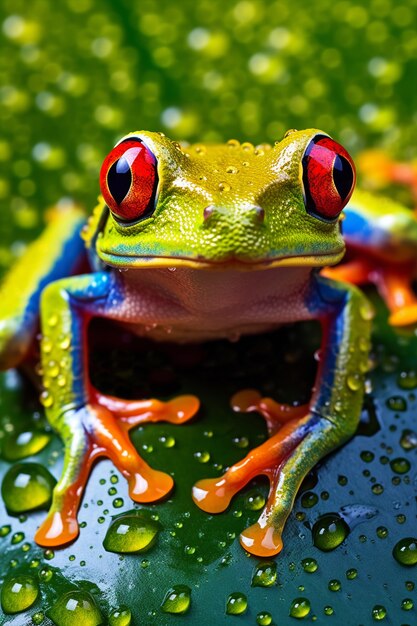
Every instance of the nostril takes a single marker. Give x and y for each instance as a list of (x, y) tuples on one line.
[(260, 212), (208, 211)]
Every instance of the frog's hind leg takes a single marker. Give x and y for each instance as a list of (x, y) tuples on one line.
[(395, 288), (58, 252)]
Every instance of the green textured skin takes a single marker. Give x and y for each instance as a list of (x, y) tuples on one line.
[(190, 179)]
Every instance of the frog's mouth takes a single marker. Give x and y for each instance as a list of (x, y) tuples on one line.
[(139, 262)]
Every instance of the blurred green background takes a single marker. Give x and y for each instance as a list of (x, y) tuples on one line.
[(78, 74)]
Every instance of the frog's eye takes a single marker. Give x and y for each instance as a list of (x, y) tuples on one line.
[(128, 180), (328, 178)]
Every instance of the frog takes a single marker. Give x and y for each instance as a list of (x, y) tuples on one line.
[(381, 239), (189, 244)]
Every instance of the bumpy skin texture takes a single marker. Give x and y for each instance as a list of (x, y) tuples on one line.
[(381, 239), (232, 222)]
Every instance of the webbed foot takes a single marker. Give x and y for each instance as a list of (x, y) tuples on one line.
[(94, 431), (285, 458)]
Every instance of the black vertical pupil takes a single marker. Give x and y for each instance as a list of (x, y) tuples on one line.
[(119, 179), (342, 176)]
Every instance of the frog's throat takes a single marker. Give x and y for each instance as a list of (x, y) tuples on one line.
[(133, 261)]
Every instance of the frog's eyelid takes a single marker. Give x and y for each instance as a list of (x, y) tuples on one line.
[(129, 137)]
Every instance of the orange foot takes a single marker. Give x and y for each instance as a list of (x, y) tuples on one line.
[(290, 453), (393, 283), (101, 429)]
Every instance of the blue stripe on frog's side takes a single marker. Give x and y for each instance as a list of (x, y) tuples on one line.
[(345, 316)]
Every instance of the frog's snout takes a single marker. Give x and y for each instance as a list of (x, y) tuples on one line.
[(253, 211)]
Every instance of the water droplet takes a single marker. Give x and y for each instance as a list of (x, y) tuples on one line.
[(5, 530), (407, 380), (37, 618), (334, 585), (400, 465), (396, 403), (351, 574), (379, 612), (202, 457), (264, 618), (177, 600), (407, 604), (27, 486), (377, 489), (75, 608), (254, 501), (408, 439), (382, 532), (354, 382), (309, 565), (121, 616), (328, 610), (240, 442), (405, 551), (17, 538), (309, 499), (45, 574), (236, 604), (118, 503), (300, 608), (367, 456), (19, 593), (167, 441), (46, 399), (264, 574), (131, 533), (17, 446), (224, 186), (329, 531)]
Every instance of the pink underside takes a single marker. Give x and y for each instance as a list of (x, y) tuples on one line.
[(184, 304)]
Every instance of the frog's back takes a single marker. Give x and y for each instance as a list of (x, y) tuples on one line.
[(381, 227)]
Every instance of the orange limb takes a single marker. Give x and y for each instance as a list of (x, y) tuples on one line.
[(275, 414), (394, 286), (100, 429), (286, 458), (393, 283), (356, 272), (131, 413)]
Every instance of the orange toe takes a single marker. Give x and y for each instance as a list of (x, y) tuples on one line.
[(212, 495), (264, 542), (155, 486), (57, 530), (406, 316), (181, 409)]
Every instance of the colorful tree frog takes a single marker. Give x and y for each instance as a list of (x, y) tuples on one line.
[(246, 230), (381, 238)]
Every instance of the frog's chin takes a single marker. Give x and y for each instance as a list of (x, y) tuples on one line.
[(141, 262)]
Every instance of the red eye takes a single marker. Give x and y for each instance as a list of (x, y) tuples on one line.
[(128, 180), (328, 178)]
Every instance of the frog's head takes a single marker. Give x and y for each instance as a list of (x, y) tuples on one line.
[(232, 204)]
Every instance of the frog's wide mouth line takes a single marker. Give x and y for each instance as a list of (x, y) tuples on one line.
[(140, 262)]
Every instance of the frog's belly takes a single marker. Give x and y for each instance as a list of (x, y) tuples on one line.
[(189, 305)]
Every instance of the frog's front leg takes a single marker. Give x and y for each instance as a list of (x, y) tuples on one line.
[(81, 415), (331, 418)]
